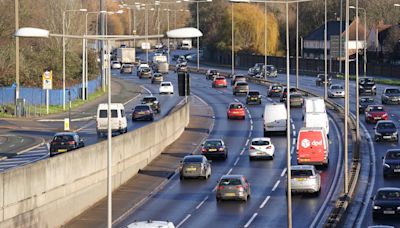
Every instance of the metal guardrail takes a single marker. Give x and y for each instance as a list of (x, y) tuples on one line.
[(337, 214)]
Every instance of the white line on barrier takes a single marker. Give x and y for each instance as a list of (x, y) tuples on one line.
[(236, 100), (251, 127), (294, 141), (294, 133), (229, 172), (293, 127), (265, 202), (291, 150), (251, 220), (241, 153), (276, 185), (184, 220)]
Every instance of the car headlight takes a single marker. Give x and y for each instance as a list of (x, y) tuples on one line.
[(369, 115), (376, 207), (398, 208), (361, 87), (385, 96), (374, 87), (386, 165), (377, 133)]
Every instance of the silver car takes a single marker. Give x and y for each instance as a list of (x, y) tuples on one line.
[(305, 178), (195, 166), (240, 87), (233, 187), (336, 90)]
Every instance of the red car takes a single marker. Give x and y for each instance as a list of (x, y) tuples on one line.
[(374, 113), (219, 82), (236, 110)]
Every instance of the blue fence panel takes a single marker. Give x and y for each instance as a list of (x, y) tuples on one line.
[(36, 96)]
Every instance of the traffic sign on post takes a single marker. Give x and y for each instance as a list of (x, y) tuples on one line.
[(146, 46), (47, 79)]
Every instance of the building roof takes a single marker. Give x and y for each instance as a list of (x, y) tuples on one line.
[(334, 29)]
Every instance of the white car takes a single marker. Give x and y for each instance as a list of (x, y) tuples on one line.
[(336, 90), (151, 224), (305, 179), (115, 65), (166, 88), (143, 65), (261, 148)]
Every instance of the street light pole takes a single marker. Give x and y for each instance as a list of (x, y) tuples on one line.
[(147, 31), (326, 53), (340, 36), (63, 54), (346, 102), (357, 71), (198, 39), (297, 45), (16, 8), (233, 43), (265, 39)]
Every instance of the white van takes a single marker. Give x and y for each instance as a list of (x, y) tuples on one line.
[(118, 119), (275, 118), (317, 119), (151, 224), (314, 104)]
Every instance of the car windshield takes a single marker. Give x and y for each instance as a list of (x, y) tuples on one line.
[(165, 84), (235, 106), (377, 109), (214, 143), (386, 126), (220, 78), (276, 87), (388, 195), (321, 76), (301, 173), (146, 69), (193, 159), (269, 68), (157, 75), (142, 108), (367, 81), (392, 91), (395, 155), (229, 182), (337, 87), (366, 99), (103, 113), (63, 138), (260, 143), (149, 99), (213, 72), (241, 84), (254, 93)]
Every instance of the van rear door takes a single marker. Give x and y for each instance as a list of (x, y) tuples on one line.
[(311, 147)]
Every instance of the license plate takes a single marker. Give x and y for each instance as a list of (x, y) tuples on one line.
[(254, 98), (388, 212), (387, 137), (305, 159), (377, 118), (191, 169), (62, 150), (396, 170), (260, 153), (300, 179), (229, 194), (140, 113), (212, 150)]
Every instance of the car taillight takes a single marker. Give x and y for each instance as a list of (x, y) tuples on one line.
[(384, 115), (204, 150), (71, 142), (269, 147), (220, 187), (240, 188), (252, 148)]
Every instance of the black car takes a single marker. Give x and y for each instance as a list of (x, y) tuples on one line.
[(181, 67), (386, 202), (143, 112), (253, 97), (214, 148), (152, 102), (391, 162), (157, 78), (211, 73), (366, 85), (391, 96), (319, 81), (386, 130), (65, 141), (144, 72), (126, 69), (275, 90), (363, 103), (256, 69)]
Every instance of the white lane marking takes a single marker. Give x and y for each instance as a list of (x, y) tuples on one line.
[(229, 172), (283, 172), (237, 160), (251, 127), (22, 140), (276, 185), (294, 133), (12, 145), (251, 220), (291, 150), (265, 202), (236, 100), (241, 153), (250, 117), (213, 117), (294, 141), (133, 98), (184, 220), (293, 127), (201, 203), (269, 99), (249, 135), (251, 121), (291, 121), (215, 188), (151, 94), (247, 142)]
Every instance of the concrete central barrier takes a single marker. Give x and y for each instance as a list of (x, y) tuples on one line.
[(50, 192)]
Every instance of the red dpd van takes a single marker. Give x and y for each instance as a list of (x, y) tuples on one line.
[(312, 146)]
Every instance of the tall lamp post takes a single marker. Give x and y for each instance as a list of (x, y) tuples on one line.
[(63, 47), (16, 8)]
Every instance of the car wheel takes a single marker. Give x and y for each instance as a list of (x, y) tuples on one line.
[(259, 102), (226, 156), (98, 135), (385, 175), (244, 117), (318, 192), (383, 102), (218, 199), (272, 157), (234, 94), (181, 177), (246, 198), (251, 158), (265, 133)]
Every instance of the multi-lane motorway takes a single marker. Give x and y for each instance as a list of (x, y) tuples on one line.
[(191, 203)]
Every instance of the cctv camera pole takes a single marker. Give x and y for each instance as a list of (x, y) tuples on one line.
[(346, 102), (233, 43), (357, 72), (326, 54), (289, 187)]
